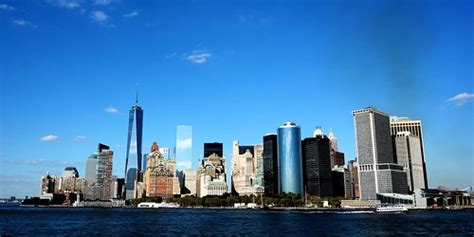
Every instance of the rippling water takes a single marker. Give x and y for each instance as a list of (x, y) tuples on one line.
[(89, 221)]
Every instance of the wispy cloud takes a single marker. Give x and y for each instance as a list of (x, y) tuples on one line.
[(6, 7), (102, 2), (45, 162), (131, 14), (461, 98), (198, 57), (69, 4), (99, 16), (111, 109), (49, 138), (23, 23), (80, 138)]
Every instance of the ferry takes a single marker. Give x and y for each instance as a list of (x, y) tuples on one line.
[(157, 205), (397, 208)]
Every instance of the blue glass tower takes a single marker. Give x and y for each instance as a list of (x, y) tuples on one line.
[(132, 169), (289, 156)]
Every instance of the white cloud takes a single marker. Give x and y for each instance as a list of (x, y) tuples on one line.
[(112, 110), (24, 23), (99, 16), (461, 98), (102, 2), (197, 57), (69, 4), (6, 7), (49, 138), (131, 14), (184, 144), (80, 138)]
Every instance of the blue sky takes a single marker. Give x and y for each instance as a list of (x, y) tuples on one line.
[(232, 70)]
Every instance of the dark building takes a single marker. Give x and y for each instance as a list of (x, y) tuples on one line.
[(317, 166), (211, 148), (132, 169), (270, 164), (338, 184)]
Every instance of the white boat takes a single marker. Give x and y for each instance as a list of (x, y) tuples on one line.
[(157, 205), (398, 208)]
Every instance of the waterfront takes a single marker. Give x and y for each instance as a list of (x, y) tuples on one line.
[(131, 221)]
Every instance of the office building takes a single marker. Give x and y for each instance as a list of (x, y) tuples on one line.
[(244, 169), (342, 182), (189, 186), (184, 147), (270, 164), (91, 169), (70, 171), (211, 175), (104, 169), (353, 170), (408, 154), (404, 124), (289, 157), (316, 165), (377, 171), (158, 180), (47, 184), (134, 151)]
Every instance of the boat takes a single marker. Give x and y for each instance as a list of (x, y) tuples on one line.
[(396, 208), (157, 205)]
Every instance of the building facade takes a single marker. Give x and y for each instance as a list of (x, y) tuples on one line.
[(134, 151), (403, 124), (270, 164), (317, 166), (289, 157), (244, 169), (408, 154), (158, 180), (377, 171), (211, 175)]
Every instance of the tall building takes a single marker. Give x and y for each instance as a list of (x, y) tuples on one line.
[(134, 150), (403, 124), (244, 167), (377, 171), (91, 169), (184, 147), (166, 152), (47, 184), (270, 164), (353, 170), (211, 175), (104, 169), (289, 156), (71, 171), (158, 179), (317, 165), (408, 154), (259, 167)]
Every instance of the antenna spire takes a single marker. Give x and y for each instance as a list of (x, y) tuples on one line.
[(136, 96)]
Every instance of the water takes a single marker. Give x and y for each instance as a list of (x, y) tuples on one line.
[(90, 222)]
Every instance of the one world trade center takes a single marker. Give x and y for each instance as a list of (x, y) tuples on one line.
[(134, 151)]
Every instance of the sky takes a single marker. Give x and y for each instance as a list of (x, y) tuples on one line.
[(233, 70)]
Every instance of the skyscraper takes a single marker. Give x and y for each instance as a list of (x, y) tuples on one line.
[(408, 154), (184, 147), (104, 170), (317, 165), (289, 156), (377, 171), (270, 164), (91, 169), (134, 141), (403, 124)]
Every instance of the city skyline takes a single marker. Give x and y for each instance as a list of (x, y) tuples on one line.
[(78, 98)]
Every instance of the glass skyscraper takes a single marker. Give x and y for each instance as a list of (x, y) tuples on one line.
[(289, 155), (134, 150), (184, 147)]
